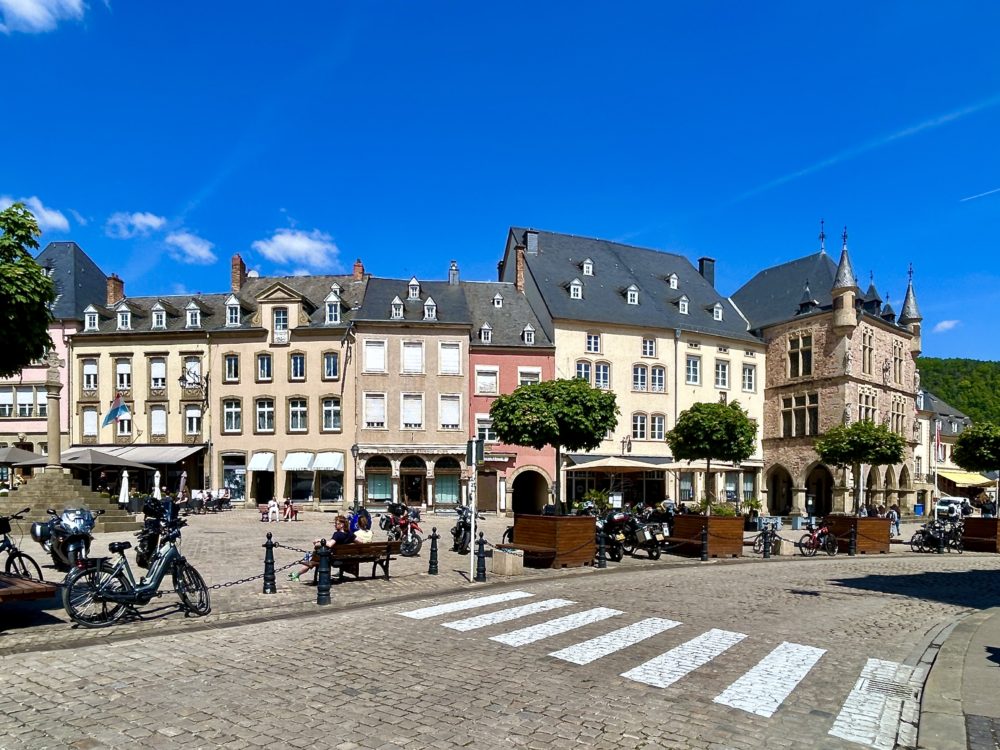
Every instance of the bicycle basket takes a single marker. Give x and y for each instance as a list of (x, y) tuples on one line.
[(4, 525)]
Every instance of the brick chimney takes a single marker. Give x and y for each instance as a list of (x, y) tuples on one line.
[(453, 274), (706, 267), (238, 274), (116, 290), (519, 268), (359, 270)]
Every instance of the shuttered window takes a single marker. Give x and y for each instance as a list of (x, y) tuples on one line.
[(90, 422), (450, 359), (413, 357), (374, 356), (158, 420), (451, 412), (413, 411), (375, 410), (157, 373)]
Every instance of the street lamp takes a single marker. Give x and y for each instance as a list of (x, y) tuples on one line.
[(191, 380), (354, 478)]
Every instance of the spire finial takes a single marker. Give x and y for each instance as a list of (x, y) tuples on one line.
[(844, 236), (822, 236), (910, 273)]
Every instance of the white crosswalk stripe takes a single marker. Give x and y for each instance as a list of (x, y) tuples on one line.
[(616, 640), (666, 669), (766, 686), (479, 601), (534, 633), (874, 712), (506, 615)]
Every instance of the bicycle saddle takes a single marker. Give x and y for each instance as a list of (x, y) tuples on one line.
[(116, 547)]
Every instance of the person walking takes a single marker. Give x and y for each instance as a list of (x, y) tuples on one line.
[(893, 516)]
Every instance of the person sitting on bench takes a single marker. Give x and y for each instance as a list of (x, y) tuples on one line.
[(363, 534), (272, 510), (341, 535), (288, 512)]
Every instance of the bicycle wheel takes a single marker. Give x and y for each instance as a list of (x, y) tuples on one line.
[(758, 544), (806, 546), (23, 565), (80, 595), (830, 545), (191, 589), (508, 536), (917, 542)]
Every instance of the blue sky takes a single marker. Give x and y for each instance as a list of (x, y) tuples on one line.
[(164, 137)]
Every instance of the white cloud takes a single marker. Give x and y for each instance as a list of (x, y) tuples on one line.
[(36, 16), (945, 325), (190, 248), (310, 251), (49, 219), (123, 225), (80, 219)]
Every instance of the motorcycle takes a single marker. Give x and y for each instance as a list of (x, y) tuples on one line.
[(357, 513), (647, 536), (612, 527), (402, 524), (66, 536), (157, 516), (461, 533)]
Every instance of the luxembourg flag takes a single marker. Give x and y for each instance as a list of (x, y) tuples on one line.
[(119, 410)]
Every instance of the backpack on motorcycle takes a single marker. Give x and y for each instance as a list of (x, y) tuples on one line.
[(397, 509), (384, 523)]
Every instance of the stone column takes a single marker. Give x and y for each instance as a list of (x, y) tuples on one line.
[(798, 501), (53, 385)]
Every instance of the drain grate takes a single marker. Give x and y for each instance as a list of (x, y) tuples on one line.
[(887, 687)]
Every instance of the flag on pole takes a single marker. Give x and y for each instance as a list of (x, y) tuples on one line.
[(937, 441), (118, 410)]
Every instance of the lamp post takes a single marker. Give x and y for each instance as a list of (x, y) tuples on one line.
[(354, 478), (189, 380)]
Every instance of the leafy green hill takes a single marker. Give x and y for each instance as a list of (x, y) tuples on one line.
[(970, 385)]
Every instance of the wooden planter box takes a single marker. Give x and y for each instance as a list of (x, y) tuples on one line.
[(872, 533), (571, 540), (725, 536), (981, 535)]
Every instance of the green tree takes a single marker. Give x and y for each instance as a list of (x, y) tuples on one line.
[(978, 448), (860, 443), (26, 293), (713, 431), (970, 385), (562, 413)]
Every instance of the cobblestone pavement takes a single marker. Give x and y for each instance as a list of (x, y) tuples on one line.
[(727, 655)]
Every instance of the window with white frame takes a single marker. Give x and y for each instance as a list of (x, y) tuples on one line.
[(692, 371), (232, 415), (588, 267), (649, 347), (232, 315), (90, 321), (90, 422), (749, 378), (657, 426), (717, 312), (529, 375), (413, 288), (450, 411), (430, 310), (413, 357), (498, 300), (264, 371), (297, 366), (280, 318), (528, 335), (124, 320), (396, 309), (124, 425), (682, 305), (333, 311), (450, 358), (331, 414), (25, 401), (484, 428), (583, 370), (412, 411), (487, 381), (575, 289), (594, 342), (638, 426), (265, 414), (658, 379), (232, 368), (672, 281), (374, 411), (721, 373), (193, 318), (297, 415), (639, 377), (90, 374), (157, 372), (486, 333), (374, 356), (632, 295), (123, 374), (192, 419), (159, 319), (602, 375), (331, 365)]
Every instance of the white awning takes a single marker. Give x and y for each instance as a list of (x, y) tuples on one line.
[(261, 462), (154, 454), (329, 462), (298, 462)]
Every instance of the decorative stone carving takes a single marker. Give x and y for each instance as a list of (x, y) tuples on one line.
[(886, 369), (847, 413), (848, 359)]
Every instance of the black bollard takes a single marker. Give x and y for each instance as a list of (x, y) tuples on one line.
[(602, 553), (269, 586), (852, 542), (704, 543), (323, 577), (432, 564), (481, 560), (767, 542), (940, 541)]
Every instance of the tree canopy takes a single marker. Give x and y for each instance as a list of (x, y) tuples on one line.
[(860, 443), (561, 413), (970, 385), (713, 431), (26, 293), (978, 448)]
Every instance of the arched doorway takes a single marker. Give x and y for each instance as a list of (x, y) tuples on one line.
[(378, 481), (447, 473), (413, 481), (873, 494), (889, 494), (905, 494), (529, 492), (779, 491), (819, 490)]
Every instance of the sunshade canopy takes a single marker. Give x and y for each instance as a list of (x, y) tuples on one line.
[(965, 478), (88, 457)]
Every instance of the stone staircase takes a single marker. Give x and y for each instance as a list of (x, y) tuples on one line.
[(57, 489)]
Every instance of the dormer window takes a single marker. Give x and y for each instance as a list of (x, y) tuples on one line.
[(430, 310), (397, 309), (232, 315), (498, 300), (672, 280), (413, 289), (90, 321), (124, 320), (632, 295), (717, 311), (280, 318), (333, 312), (486, 333), (588, 267), (575, 289), (193, 318), (159, 319), (528, 334), (682, 305)]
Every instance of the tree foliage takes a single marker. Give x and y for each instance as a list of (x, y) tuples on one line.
[(713, 431), (26, 293), (978, 448), (860, 443), (970, 385)]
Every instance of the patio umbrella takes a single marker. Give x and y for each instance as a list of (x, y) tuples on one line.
[(123, 492), (87, 457), (12, 455), (156, 486), (183, 484)]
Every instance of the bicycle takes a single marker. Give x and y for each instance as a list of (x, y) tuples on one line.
[(770, 528), (18, 563), (818, 538), (98, 593)]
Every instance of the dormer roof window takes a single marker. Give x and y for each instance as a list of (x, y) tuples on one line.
[(333, 304), (632, 294), (717, 311), (682, 305), (90, 319), (413, 289), (588, 267), (430, 310), (486, 333), (193, 315), (498, 300), (576, 289), (528, 334), (672, 280), (124, 319), (397, 308), (232, 315)]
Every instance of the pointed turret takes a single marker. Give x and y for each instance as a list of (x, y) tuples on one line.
[(872, 301), (808, 303), (910, 317), (888, 314), (844, 292)]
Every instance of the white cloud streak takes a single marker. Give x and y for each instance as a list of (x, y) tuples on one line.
[(980, 195), (945, 326), (38, 16), (49, 219), (124, 226), (186, 247), (307, 251)]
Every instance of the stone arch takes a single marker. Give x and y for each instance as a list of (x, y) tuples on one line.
[(889, 494), (873, 487), (779, 491), (413, 481), (819, 486), (529, 491)]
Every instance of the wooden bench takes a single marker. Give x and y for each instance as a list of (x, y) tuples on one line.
[(262, 507), (15, 587), (348, 557), (534, 556)]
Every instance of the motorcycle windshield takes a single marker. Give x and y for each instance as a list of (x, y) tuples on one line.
[(77, 521)]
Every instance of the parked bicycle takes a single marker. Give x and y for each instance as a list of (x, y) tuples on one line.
[(770, 530), (18, 563), (818, 538), (938, 534), (99, 591)]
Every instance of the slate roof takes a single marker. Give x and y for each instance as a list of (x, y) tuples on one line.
[(508, 321), (909, 313), (78, 280), (773, 295), (946, 413), (616, 267), (449, 298)]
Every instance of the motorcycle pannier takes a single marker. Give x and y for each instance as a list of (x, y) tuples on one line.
[(40, 532), (384, 523)]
